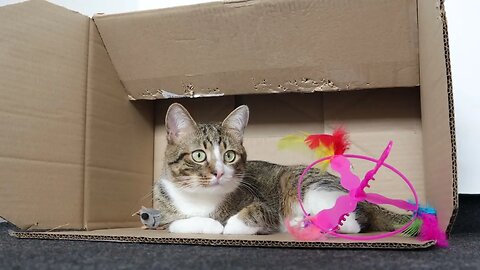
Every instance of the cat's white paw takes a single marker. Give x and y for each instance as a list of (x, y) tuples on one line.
[(350, 225), (236, 226), (196, 225)]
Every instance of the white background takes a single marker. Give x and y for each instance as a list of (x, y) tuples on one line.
[(464, 33), (464, 30)]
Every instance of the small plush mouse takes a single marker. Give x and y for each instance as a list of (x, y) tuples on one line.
[(149, 217)]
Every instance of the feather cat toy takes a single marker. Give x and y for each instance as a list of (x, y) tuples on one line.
[(331, 151)]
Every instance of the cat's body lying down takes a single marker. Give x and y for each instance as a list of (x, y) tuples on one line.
[(208, 186)]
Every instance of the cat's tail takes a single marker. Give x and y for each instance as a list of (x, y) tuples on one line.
[(376, 218)]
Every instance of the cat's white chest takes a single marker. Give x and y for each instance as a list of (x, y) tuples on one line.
[(192, 205)]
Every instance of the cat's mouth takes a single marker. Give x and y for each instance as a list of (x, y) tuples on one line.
[(223, 185), (216, 182), (213, 183)]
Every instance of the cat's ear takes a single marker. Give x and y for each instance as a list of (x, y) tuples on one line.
[(178, 122), (237, 120)]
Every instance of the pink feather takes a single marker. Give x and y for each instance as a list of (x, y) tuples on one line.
[(430, 230), (309, 233)]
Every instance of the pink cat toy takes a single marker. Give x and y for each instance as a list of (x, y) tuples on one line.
[(328, 221)]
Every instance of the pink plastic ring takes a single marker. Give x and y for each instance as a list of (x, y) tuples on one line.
[(370, 237)]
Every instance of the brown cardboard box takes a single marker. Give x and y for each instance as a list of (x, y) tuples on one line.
[(79, 149)]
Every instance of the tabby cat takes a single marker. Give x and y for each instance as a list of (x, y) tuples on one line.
[(208, 186)]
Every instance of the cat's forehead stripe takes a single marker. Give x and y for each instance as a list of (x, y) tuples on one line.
[(212, 134), (179, 158)]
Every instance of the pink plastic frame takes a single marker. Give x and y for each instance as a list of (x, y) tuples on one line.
[(370, 237)]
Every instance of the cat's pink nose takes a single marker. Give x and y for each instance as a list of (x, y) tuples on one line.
[(218, 174)]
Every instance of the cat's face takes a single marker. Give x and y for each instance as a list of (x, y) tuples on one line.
[(205, 158)]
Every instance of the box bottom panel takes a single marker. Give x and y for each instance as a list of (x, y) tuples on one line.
[(139, 235)]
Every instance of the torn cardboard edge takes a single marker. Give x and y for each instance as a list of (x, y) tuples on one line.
[(138, 235), (200, 61)]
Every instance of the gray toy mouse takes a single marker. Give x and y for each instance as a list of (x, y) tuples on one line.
[(149, 217)]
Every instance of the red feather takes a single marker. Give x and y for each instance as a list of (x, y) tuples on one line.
[(338, 141)]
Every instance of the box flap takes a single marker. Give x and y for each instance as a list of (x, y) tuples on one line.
[(263, 46), (43, 59), (437, 112), (119, 146)]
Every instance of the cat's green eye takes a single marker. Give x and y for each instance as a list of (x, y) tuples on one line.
[(199, 156), (229, 156)]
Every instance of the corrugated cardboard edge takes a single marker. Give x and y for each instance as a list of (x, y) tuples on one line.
[(218, 242), (451, 114)]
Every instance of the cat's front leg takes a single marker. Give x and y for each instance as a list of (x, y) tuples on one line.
[(256, 218), (196, 225)]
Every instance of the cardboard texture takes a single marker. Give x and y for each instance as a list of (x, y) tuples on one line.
[(370, 129), (77, 153), (119, 146), (244, 47), (42, 58)]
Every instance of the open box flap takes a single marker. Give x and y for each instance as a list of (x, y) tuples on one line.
[(74, 151), (263, 46), (43, 72)]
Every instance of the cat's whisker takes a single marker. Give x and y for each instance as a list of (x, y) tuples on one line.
[(146, 196), (187, 187), (186, 178), (248, 187), (244, 175)]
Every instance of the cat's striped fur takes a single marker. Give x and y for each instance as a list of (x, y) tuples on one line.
[(241, 197)]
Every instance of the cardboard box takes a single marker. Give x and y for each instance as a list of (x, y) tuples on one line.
[(82, 103)]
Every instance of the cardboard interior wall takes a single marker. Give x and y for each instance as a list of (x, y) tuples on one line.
[(275, 116), (78, 154), (119, 146)]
